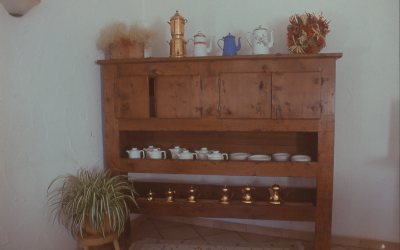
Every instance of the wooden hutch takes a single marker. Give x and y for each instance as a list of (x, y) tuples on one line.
[(261, 104)]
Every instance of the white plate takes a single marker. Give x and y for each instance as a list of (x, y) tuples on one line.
[(238, 156), (281, 157), (259, 158), (300, 158)]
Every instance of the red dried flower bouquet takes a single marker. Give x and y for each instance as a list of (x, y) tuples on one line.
[(306, 33)]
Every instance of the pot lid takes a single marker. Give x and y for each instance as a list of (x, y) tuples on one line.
[(247, 187), (199, 34), (260, 28), (203, 150), (229, 36), (275, 186), (177, 16)]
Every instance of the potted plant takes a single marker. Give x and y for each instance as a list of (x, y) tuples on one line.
[(118, 40), (94, 202)]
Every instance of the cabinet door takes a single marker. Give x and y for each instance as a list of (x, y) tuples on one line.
[(178, 96), (132, 97), (245, 95), (296, 95)]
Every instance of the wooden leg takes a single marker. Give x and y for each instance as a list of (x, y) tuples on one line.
[(116, 246)]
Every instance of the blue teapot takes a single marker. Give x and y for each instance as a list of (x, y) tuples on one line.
[(229, 45)]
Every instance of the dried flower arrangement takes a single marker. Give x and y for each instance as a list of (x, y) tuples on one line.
[(118, 33), (306, 33)]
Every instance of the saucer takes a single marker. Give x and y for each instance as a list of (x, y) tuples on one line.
[(259, 158), (300, 158), (281, 157)]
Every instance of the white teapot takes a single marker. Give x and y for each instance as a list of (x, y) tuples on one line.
[(202, 153), (175, 151), (217, 156), (200, 45), (149, 149), (134, 153), (261, 45), (186, 155), (157, 154)]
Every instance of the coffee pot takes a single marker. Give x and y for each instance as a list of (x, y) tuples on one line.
[(149, 149), (226, 197), (175, 151), (170, 196), (157, 154), (261, 45), (193, 195), (134, 153), (274, 196), (230, 47), (177, 43), (217, 156), (151, 196), (202, 153), (200, 45), (247, 195), (186, 155)]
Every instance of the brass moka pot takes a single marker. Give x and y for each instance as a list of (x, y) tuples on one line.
[(150, 196), (170, 196), (177, 43), (274, 196), (226, 197), (247, 194), (193, 195), (177, 23)]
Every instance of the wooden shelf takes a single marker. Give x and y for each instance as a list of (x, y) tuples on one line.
[(236, 168), (217, 124), (292, 211)]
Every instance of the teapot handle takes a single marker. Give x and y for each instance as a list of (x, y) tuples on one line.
[(218, 43), (165, 154), (248, 38), (194, 154), (190, 39), (141, 151), (225, 155)]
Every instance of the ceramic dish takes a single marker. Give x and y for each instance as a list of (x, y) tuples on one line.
[(300, 158), (239, 156), (259, 158), (281, 157)]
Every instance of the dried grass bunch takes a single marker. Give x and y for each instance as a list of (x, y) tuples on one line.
[(94, 197), (306, 33), (117, 32)]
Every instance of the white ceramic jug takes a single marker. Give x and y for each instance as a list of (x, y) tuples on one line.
[(202, 153), (217, 156), (200, 45), (134, 153), (261, 45), (157, 154), (149, 149), (186, 155), (175, 151)]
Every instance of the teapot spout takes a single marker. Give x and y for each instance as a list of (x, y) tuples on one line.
[(239, 46), (210, 47), (271, 43)]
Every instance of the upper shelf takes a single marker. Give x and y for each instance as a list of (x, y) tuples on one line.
[(218, 58)]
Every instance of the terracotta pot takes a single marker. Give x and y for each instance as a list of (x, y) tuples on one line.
[(93, 231)]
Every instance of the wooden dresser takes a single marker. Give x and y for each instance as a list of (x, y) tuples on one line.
[(261, 104)]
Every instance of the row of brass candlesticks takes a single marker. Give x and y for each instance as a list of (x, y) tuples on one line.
[(226, 195)]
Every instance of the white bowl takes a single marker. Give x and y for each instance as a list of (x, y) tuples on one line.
[(238, 156), (300, 158), (281, 157), (259, 158)]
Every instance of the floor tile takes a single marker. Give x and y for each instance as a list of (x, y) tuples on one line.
[(225, 237), (161, 224), (179, 233), (196, 239), (134, 236), (256, 237), (206, 231), (144, 226)]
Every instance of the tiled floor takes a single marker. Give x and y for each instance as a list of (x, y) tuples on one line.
[(160, 229)]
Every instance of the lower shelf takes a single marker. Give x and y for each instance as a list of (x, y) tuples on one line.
[(238, 168), (292, 211)]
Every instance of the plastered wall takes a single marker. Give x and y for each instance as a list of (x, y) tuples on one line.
[(50, 103)]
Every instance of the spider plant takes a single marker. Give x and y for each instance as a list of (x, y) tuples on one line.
[(91, 196)]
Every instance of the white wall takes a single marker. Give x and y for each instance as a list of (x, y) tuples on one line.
[(50, 102)]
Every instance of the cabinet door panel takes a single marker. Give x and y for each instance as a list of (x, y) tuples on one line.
[(210, 96), (245, 95), (296, 95), (132, 97), (178, 96)]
